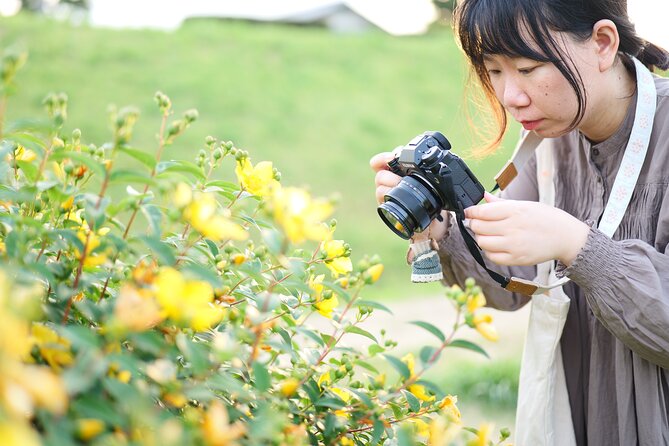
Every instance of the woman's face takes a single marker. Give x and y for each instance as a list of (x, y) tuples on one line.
[(536, 94)]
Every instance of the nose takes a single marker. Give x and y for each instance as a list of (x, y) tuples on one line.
[(514, 95)]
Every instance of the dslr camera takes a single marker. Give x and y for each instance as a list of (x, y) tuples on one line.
[(434, 179)]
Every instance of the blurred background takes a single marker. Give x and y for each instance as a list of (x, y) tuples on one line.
[(315, 86)]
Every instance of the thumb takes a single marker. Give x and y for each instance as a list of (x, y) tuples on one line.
[(490, 198)]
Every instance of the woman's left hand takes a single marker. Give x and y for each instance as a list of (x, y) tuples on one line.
[(514, 232)]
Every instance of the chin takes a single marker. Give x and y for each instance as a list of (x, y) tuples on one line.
[(550, 132)]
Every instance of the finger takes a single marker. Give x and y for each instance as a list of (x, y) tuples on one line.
[(380, 161), (500, 258), (498, 210), (487, 227), (381, 192), (490, 198), (386, 178), (493, 243)]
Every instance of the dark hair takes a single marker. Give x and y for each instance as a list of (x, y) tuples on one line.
[(487, 27)]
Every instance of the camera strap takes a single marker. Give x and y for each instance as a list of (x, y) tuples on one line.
[(621, 192)]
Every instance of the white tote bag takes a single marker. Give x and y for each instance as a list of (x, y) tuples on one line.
[(543, 415)]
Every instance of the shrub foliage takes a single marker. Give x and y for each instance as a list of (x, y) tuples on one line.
[(146, 300)]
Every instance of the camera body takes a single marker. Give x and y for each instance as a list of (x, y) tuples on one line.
[(434, 179)]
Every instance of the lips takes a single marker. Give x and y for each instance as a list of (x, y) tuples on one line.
[(531, 125)]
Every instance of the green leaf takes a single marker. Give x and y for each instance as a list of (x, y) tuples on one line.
[(461, 343), (331, 402), (28, 140), (361, 332), (377, 433), (362, 396), (374, 349), (143, 157), (154, 216), (263, 380), (181, 167), (225, 185), (426, 354), (311, 334), (81, 158), (367, 366), (130, 176), (373, 304), (195, 353), (203, 273), (414, 402), (398, 365), (162, 250), (212, 247), (29, 169), (431, 328)]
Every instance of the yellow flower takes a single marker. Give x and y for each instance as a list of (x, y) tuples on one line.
[(374, 272), (410, 361), (216, 427), (136, 309), (327, 306), (89, 428), (54, 349), (483, 436), (300, 216), (334, 249), (289, 386), (18, 434), (475, 302), (345, 441), (23, 154), (422, 428), (67, 204), (483, 324), (442, 432), (323, 306), (344, 394), (324, 379), (420, 392), (450, 408), (183, 195), (339, 266), (44, 388), (176, 399), (188, 302), (202, 214), (258, 180)]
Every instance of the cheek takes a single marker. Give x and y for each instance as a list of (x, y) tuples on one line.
[(558, 98)]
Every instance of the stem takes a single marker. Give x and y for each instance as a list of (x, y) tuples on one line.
[(159, 152)]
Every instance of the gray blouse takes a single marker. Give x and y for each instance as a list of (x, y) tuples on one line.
[(615, 343)]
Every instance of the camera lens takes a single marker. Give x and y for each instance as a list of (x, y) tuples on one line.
[(410, 206), (397, 219)]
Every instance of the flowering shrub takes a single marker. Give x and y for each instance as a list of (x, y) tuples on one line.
[(158, 305)]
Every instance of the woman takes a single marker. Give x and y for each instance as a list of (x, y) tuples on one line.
[(564, 70)]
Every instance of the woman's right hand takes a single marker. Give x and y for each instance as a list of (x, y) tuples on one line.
[(386, 180)]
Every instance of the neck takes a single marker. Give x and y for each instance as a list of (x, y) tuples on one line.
[(606, 115)]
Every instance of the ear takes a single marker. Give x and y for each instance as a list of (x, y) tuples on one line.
[(606, 38)]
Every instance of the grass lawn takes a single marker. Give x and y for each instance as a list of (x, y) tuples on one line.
[(317, 104)]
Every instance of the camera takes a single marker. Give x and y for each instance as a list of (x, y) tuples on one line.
[(434, 179)]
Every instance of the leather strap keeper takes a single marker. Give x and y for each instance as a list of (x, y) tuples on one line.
[(506, 175), (521, 286)]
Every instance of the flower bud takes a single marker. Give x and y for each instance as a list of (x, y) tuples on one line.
[(191, 115), (209, 140)]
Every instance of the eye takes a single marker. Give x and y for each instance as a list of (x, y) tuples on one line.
[(493, 72), (528, 69)]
